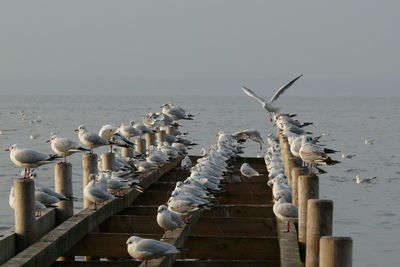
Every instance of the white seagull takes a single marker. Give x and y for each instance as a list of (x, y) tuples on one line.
[(248, 171), (268, 105), (285, 212), (64, 147), (360, 180), (146, 249), (94, 193), (28, 159), (168, 220), (91, 140)]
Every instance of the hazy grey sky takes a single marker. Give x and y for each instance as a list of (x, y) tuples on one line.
[(199, 47)]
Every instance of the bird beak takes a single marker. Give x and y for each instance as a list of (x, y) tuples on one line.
[(7, 149), (123, 245), (76, 130), (48, 141)]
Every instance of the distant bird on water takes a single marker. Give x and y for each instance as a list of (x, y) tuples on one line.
[(269, 105), (360, 180)]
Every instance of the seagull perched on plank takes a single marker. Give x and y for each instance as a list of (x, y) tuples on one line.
[(268, 105)]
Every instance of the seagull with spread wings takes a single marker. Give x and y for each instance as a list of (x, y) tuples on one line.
[(269, 105)]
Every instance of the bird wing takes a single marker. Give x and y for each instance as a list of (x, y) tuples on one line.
[(288, 210), (283, 89), (153, 247), (253, 95), (64, 144), (96, 139), (30, 156)]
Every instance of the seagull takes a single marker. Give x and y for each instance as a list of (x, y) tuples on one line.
[(28, 158), (369, 141), (129, 131), (347, 156), (146, 249), (110, 133), (251, 134), (268, 105), (168, 220), (91, 140), (39, 207), (248, 171), (175, 113), (186, 163), (64, 147), (314, 154), (285, 212), (360, 180), (46, 199), (95, 194)]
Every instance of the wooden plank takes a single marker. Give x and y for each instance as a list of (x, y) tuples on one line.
[(289, 245), (235, 226), (226, 197), (119, 263), (230, 263), (239, 210), (238, 186), (205, 225), (131, 224), (178, 262), (7, 246), (46, 222), (62, 238), (231, 248)]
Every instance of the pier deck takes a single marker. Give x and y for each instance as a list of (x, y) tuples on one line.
[(241, 230)]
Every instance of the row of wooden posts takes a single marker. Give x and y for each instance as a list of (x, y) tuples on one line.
[(317, 245), (26, 227)]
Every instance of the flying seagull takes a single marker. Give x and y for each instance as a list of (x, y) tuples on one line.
[(269, 105)]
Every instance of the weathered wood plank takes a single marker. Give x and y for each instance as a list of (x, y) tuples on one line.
[(7, 246), (289, 245), (131, 224), (178, 262), (219, 226), (231, 248), (205, 225), (46, 222), (239, 210), (62, 238), (228, 197)]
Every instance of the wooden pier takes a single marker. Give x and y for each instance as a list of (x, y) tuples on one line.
[(240, 230)]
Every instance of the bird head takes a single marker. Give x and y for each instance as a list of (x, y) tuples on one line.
[(11, 148), (54, 137)]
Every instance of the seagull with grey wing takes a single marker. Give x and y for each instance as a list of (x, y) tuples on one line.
[(269, 105), (28, 158), (91, 140), (64, 147)]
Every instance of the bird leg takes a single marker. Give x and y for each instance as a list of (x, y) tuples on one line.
[(288, 228)]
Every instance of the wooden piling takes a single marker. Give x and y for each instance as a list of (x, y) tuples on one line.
[(140, 145), (108, 161), (63, 185), (308, 188), (296, 172), (336, 251), (24, 210), (169, 130), (89, 165), (319, 223), (161, 136), (126, 152), (290, 162), (150, 140)]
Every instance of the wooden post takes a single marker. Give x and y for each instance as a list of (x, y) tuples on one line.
[(336, 251), (319, 223), (290, 162), (108, 161), (169, 130), (140, 145), (161, 136), (150, 140), (89, 165), (63, 185), (296, 172), (308, 188), (126, 152), (24, 210)]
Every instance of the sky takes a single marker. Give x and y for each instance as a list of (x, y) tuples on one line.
[(208, 47)]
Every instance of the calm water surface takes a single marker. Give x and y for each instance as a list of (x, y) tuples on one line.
[(370, 214)]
